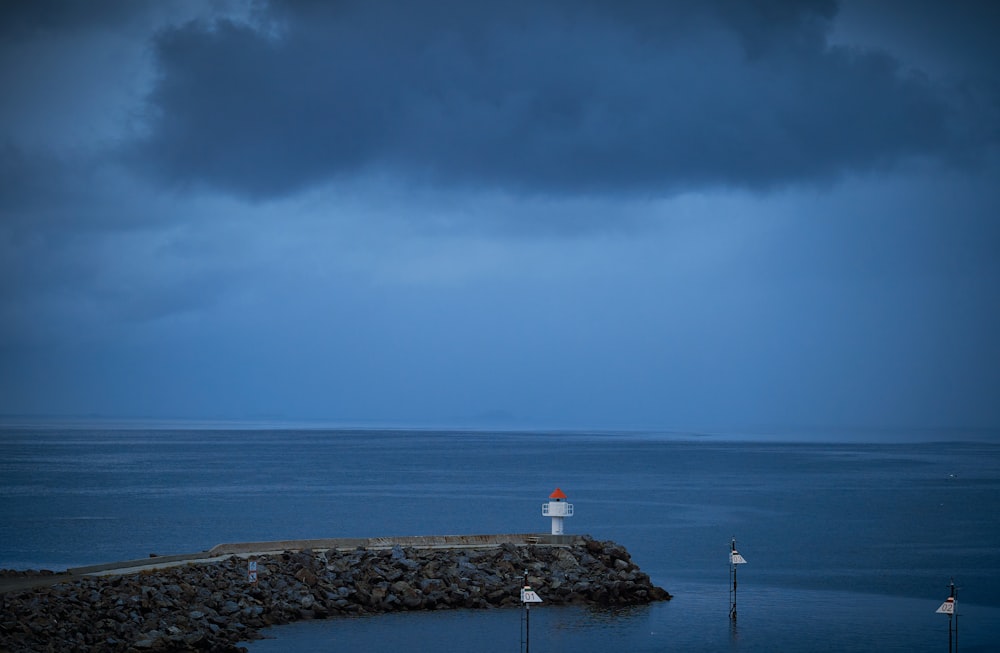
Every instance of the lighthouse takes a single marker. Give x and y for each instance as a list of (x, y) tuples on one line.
[(557, 509)]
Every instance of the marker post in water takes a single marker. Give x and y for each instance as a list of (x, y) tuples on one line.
[(950, 608), (734, 559), (528, 596)]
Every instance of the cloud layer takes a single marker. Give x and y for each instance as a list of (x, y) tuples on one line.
[(538, 97)]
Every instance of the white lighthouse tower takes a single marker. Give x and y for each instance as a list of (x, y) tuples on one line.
[(557, 509)]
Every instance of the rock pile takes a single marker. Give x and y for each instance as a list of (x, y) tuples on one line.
[(213, 606)]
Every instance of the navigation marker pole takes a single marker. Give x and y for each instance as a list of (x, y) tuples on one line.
[(528, 596), (734, 559), (950, 608)]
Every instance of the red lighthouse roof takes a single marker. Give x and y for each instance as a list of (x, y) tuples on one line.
[(558, 494)]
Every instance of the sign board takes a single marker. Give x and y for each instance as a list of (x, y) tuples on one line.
[(252, 571), (530, 596), (948, 607)]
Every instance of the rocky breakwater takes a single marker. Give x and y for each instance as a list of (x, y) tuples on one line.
[(212, 605)]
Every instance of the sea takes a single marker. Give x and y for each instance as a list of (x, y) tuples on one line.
[(851, 539)]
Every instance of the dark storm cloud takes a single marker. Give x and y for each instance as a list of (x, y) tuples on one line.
[(954, 34), (28, 18), (542, 96)]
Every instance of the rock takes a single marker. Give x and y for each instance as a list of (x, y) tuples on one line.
[(413, 601), (149, 640), (306, 576)]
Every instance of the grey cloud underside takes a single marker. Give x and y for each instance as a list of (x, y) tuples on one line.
[(547, 99), (29, 18)]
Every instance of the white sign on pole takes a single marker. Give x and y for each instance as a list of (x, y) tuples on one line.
[(948, 607), (530, 596)]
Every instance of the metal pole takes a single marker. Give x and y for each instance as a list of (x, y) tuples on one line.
[(954, 594), (528, 596), (520, 644), (527, 619), (950, 608), (734, 560), (954, 609), (527, 628), (732, 611)]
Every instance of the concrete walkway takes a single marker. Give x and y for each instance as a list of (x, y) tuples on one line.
[(246, 549)]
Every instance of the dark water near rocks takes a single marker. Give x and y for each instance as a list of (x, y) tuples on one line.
[(850, 544)]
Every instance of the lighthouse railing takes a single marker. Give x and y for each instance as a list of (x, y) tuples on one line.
[(558, 509)]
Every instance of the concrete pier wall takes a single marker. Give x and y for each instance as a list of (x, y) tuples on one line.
[(337, 544), (412, 541)]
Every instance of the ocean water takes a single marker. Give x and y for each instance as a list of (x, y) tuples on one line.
[(850, 541)]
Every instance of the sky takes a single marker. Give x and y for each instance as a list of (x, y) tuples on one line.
[(672, 215)]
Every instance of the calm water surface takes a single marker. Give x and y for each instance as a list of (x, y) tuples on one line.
[(850, 544)]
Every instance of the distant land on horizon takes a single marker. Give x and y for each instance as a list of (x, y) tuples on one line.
[(508, 423)]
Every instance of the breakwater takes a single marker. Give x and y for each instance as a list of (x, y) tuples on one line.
[(210, 604)]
